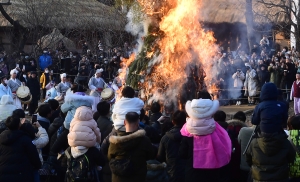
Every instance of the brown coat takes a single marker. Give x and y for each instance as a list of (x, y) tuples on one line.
[(135, 146)]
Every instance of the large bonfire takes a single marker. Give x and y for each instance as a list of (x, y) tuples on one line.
[(175, 55)]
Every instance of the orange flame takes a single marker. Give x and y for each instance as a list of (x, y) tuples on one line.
[(184, 43)]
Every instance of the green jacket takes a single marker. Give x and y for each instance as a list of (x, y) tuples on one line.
[(295, 165), (269, 158), (135, 146)]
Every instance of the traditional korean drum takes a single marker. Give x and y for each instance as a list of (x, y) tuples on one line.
[(108, 94), (23, 93)]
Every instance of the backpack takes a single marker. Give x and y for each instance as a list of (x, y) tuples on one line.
[(79, 168)]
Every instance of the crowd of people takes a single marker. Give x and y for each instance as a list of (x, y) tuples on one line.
[(81, 131), (241, 75)]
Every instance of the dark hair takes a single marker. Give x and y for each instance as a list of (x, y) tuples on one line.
[(77, 88), (53, 104), (19, 113), (240, 115), (203, 94), (142, 115), (179, 118), (96, 115), (44, 110), (132, 117), (103, 108), (294, 122), (12, 123), (155, 107), (128, 92), (220, 116), (28, 129)]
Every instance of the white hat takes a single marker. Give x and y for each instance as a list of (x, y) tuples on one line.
[(99, 70), (200, 111), (64, 75), (120, 70), (201, 108), (13, 71)]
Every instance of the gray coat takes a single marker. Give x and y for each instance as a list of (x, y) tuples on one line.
[(63, 87), (14, 85), (94, 85)]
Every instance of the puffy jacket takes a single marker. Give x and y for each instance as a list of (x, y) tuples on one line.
[(269, 158), (136, 145), (168, 151), (83, 129), (72, 102), (270, 114), (295, 165), (6, 107), (18, 156), (41, 141), (45, 61)]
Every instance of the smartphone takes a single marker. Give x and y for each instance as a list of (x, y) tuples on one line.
[(34, 118), (17, 65), (24, 67), (52, 71)]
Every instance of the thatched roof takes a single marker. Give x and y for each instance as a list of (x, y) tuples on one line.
[(51, 40), (64, 14), (232, 11)]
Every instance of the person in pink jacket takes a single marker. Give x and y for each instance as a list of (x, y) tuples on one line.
[(84, 132), (205, 145)]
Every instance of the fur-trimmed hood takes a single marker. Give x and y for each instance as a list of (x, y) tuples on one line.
[(126, 138), (84, 100), (236, 122)]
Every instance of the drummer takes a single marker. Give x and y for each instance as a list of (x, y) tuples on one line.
[(63, 86), (14, 84), (4, 89), (96, 85)]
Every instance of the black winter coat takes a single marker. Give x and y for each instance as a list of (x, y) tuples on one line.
[(34, 87), (196, 175), (105, 126), (168, 152), (18, 157), (57, 123)]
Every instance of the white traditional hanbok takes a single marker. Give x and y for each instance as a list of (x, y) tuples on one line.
[(14, 84), (96, 85)]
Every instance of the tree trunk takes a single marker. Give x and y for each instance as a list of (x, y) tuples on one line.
[(249, 23), (19, 31)]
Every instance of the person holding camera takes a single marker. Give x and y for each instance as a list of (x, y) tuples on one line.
[(238, 79)]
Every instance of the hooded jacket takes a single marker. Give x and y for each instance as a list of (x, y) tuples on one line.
[(269, 158), (270, 114), (6, 107), (83, 129), (72, 102), (122, 107), (18, 156), (135, 146), (168, 152)]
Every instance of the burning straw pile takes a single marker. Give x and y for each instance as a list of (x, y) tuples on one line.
[(174, 56)]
